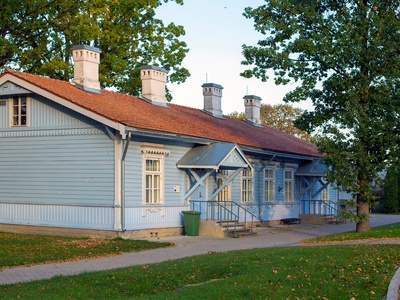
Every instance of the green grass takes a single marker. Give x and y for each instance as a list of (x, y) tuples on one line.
[(381, 232), (309, 272), (305, 272), (20, 249)]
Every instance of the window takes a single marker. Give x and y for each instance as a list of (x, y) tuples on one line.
[(269, 185), (153, 172), (223, 195), (247, 186), (19, 111), (289, 185), (153, 181), (325, 191)]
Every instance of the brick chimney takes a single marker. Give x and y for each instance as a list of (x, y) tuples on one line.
[(86, 67), (212, 99), (153, 84), (252, 106)]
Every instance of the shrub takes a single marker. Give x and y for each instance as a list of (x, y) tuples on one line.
[(391, 190)]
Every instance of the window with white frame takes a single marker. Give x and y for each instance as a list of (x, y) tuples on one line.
[(153, 173), (289, 185), (247, 185), (153, 181), (325, 191), (19, 111), (269, 185), (223, 195)]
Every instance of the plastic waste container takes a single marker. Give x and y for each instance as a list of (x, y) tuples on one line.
[(191, 221)]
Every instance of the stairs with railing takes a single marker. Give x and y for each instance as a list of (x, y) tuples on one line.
[(234, 219), (326, 212)]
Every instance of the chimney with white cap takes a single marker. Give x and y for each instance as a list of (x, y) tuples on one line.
[(86, 67), (153, 84), (252, 106), (212, 99)]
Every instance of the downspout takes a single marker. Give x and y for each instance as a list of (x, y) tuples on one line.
[(260, 189), (128, 140)]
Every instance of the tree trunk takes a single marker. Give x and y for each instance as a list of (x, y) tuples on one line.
[(363, 210)]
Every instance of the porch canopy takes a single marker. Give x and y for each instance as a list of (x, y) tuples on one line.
[(312, 173), (315, 168), (211, 158)]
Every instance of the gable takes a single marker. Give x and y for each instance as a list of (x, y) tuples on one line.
[(214, 156), (59, 92), (10, 88)]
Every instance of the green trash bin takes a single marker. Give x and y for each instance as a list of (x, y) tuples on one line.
[(191, 221)]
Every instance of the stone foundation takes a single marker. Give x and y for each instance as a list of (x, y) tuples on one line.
[(91, 233)]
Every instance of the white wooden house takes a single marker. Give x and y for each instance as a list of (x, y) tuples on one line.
[(76, 159)]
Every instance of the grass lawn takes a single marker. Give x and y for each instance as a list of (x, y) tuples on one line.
[(309, 272), (390, 231), (24, 249), (302, 272)]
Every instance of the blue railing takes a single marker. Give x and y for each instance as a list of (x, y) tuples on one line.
[(329, 209), (223, 211)]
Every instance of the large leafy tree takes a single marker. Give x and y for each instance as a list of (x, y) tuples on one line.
[(280, 116), (345, 57), (37, 36)]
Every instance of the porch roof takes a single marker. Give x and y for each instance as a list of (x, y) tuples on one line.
[(315, 168), (214, 156)]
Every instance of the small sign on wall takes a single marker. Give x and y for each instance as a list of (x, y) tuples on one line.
[(177, 188)]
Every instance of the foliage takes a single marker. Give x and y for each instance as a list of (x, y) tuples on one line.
[(391, 190), (310, 272), (24, 249), (280, 116), (344, 57), (238, 115), (37, 36)]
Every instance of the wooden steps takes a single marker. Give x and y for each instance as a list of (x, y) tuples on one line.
[(235, 229), (332, 219)]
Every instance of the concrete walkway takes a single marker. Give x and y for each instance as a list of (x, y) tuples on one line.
[(288, 235)]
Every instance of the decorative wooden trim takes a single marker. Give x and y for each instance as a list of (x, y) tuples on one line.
[(18, 132), (148, 148)]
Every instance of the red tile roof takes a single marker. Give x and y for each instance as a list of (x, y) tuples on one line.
[(135, 112)]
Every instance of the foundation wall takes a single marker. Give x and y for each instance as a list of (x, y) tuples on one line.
[(91, 233)]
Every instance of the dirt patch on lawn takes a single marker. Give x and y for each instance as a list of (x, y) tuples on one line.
[(85, 243)]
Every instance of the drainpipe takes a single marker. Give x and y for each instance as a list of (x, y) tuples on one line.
[(128, 140), (260, 189)]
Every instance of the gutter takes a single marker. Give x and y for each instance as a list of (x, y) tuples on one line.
[(128, 141)]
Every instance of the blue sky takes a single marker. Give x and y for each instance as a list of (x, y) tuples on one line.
[(215, 32)]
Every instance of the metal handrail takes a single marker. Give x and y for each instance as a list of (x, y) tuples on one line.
[(320, 207), (246, 212), (226, 211)]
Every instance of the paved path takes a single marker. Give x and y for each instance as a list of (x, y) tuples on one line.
[(289, 235)]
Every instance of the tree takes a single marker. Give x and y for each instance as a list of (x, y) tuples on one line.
[(344, 56), (279, 116), (282, 117), (37, 36), (391, 190)]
